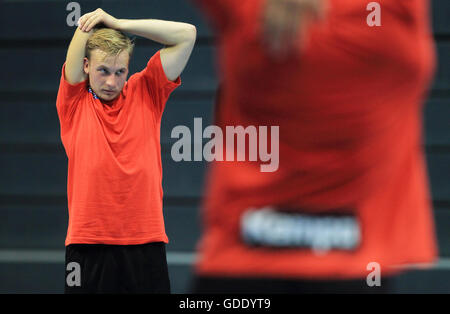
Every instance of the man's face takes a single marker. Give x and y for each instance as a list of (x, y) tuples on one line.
[(107, 74)]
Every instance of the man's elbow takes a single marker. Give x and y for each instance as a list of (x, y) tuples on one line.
[(190, 33)]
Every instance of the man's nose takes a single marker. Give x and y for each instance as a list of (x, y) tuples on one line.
[(111, 81)]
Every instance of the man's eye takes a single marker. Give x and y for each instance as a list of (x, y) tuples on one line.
[(103, 70)]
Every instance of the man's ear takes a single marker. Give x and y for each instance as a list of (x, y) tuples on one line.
[(86, 65)]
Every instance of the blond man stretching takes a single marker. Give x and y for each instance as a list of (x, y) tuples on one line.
[(110, 129)]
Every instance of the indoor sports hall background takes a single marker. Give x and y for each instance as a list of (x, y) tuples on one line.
[(34, 37)]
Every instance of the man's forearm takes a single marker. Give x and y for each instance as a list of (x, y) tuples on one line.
[(164, 32), (74, 72)]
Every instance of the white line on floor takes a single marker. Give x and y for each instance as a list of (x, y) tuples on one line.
[(58, 256)]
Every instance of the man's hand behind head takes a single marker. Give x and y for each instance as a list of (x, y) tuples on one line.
[(97, 18)]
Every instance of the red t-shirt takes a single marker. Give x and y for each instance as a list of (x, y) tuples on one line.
[(114, 183), (349, 111)]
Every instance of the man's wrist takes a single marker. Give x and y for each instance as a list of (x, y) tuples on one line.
[(119, 23)]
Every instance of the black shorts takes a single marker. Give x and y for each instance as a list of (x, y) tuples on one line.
[(101, 268)]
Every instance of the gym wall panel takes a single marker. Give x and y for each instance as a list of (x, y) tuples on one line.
[(46, 20), (40, 69), (54, 14), (32, 227), (45, 173), (35, 122)]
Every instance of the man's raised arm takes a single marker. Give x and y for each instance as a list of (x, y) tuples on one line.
[(74, 72), (180, 37), (75, 55)]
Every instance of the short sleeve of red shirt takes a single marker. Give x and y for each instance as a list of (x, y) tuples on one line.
[(157, 83)]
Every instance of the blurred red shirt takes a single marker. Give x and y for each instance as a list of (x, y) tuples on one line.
[(349, 108)]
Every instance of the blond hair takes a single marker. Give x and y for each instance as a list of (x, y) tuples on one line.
[(110, 41)]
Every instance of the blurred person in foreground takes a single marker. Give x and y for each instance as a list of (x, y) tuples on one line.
[(351, 187), (110, 128)]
